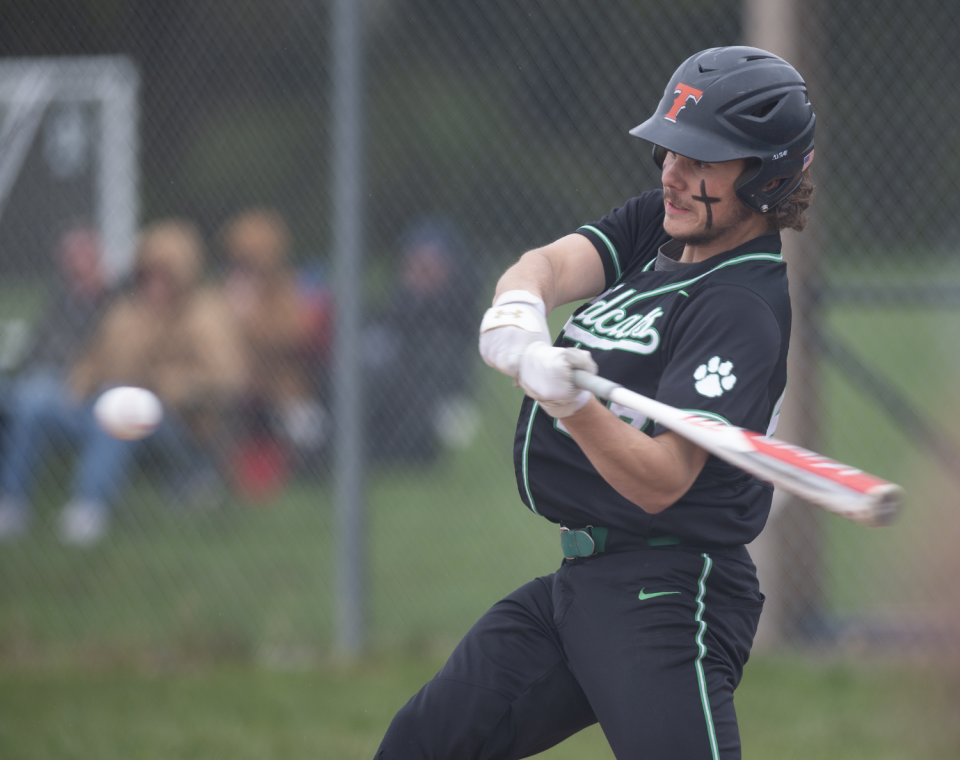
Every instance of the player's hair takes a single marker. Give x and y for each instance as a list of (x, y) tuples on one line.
[(791, 212)]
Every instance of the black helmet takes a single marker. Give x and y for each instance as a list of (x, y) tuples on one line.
[(737, 102)]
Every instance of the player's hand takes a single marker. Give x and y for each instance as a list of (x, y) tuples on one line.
[(517, 319), (546, 374)]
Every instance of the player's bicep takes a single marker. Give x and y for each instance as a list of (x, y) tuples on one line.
[(576, 266)]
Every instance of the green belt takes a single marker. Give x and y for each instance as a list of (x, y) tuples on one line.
[(585, 542)]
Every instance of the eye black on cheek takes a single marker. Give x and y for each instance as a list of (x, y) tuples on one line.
[(706, 200)]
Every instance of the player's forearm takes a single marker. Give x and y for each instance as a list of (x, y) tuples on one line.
[(651, 472), (534, 273), (569, 269)]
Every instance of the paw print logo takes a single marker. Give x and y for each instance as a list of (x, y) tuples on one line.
[(714, 378)]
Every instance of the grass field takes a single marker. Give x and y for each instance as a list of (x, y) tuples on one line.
[(789, 708), (208, 633)]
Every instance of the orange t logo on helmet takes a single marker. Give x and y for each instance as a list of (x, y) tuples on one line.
[(684, 93)]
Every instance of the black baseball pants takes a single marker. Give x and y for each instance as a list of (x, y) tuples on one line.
[(651, 643)]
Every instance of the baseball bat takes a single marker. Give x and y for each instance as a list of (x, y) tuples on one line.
[(836, 487)]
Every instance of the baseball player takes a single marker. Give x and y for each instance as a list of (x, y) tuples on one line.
[(648, 622)]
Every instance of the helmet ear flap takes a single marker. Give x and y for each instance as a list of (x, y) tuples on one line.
[(751, 185), (750, 171), (659, 153)]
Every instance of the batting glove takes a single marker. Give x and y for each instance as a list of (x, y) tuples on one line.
[(546, 374), (517, 319)]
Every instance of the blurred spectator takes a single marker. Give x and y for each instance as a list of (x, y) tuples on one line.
[(280, 413), (319, 312), (74, 309), (420, 351), (39, 394), (168, 335)]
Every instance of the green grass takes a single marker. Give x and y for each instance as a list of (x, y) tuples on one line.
[(914, 350), (788, 708), (818, 710)]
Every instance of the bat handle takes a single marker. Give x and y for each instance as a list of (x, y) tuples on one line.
[(597, 385)]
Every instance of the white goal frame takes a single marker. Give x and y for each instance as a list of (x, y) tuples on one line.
[(29, 85)]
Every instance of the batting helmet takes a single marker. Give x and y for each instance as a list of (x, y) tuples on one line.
[(733, 103)]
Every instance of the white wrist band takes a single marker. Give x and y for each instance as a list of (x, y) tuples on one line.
[(521, 296)]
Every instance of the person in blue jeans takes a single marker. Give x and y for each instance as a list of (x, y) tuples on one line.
[(38, 395), (46, 415)]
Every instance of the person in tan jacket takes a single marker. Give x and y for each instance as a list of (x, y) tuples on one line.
[(280, 414), (169, 335)]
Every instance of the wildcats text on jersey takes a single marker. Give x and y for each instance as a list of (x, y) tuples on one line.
[(606, 325)]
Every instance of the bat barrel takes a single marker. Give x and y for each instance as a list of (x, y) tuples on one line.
[(887, 503), (838, 488)]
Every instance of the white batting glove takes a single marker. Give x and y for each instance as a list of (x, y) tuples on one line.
[(517, 319), (546, 374)]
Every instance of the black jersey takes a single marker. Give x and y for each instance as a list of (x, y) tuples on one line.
[(710, 337)]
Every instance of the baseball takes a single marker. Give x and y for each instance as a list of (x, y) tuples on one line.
[(128, 413)]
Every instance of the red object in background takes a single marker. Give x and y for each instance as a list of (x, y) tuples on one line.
[(261, 469)]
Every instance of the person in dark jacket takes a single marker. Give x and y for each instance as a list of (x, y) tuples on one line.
[(418, 352)]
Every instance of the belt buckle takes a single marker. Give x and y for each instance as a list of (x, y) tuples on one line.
[(577, 543)]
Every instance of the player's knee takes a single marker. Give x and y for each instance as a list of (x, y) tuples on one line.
[(448, 719)]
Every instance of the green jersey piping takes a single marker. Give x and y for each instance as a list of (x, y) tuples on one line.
[(628, 297), (702, 651), (614, 256), (526, 457), (775, 257)]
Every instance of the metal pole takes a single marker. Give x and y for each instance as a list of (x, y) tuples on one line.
[(788, 553), (347, 240), (119, 189)]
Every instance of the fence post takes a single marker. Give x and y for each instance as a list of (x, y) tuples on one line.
[(347, 147), (788, 554)]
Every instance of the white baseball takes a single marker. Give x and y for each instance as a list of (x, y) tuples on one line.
[(128, 413)]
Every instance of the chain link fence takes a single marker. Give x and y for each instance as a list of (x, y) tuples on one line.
[(169, 218)]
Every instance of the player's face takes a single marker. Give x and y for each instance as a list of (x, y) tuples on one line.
[(700, 202)]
